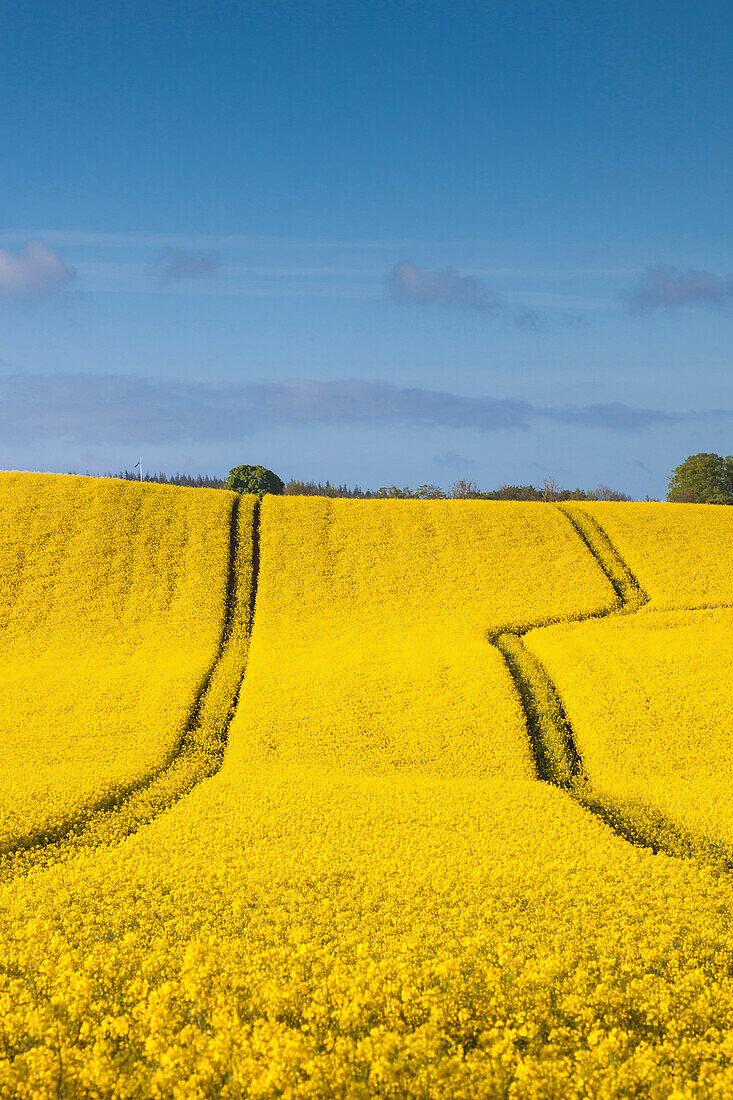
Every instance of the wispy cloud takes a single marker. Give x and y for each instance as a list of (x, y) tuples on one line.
[(33, 272), (618, 417), (412, 285), (408, 283), (530, 297), (140, 239), (531, 320), (661, 287), (177, 263), (453, 460), (111, 409)]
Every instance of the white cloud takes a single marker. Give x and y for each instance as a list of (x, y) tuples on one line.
[(33, 272), (408, 283)]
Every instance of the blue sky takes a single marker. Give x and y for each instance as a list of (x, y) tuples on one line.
[(372, 242)]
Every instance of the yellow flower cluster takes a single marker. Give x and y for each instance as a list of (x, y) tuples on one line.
[(650, 698), (291, 932), (371, 651), (679, 553), (650, 694), (373, 897), (112, 604)]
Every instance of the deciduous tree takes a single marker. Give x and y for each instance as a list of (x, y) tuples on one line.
[(702, 479)]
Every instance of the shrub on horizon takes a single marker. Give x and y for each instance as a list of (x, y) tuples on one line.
[(257, 480)]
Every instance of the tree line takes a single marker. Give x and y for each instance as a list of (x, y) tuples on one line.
[(259, 480), (459, 490), (200, 481), (704, 478)]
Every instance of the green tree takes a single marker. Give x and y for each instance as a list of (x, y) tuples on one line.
[(464, 490), (429, 492), (702, 479), (254, 479)]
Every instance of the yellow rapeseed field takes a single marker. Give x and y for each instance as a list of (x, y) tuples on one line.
[(651, 702), (374, 896), (300, 933), (680, 553), (370, 650), (112, 604), (650, 694)]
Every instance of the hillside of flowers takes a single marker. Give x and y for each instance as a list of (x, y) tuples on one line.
[(355, 798)]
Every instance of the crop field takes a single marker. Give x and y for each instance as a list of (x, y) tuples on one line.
[(329, 798), (651, 699)]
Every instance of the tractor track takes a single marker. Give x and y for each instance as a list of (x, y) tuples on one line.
[(197, 755), (555, 751)]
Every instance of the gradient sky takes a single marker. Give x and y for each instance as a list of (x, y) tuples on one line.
[(371, 242)]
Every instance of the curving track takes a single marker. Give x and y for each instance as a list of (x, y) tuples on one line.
[(555, 751)]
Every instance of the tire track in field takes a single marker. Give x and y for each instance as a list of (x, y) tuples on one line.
[(199, 751), (555, 751)]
